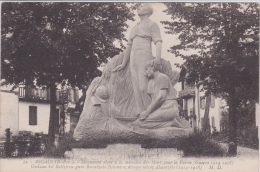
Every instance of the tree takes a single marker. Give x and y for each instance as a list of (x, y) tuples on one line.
[(206, 124), (225, 37), (51, 42)]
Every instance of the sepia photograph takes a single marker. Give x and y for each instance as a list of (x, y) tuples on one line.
[(129, 86)]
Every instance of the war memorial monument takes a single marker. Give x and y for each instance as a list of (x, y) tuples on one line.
[(134, 97)]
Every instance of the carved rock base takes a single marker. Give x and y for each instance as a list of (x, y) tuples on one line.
[(116, 152)]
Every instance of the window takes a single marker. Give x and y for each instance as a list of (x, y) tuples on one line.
[(185, 107), (21, 92), (202, 121), (202, 102), (213, 122), (212, 102), (32, 115)]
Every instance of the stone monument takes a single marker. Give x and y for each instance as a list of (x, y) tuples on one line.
[(134, 97)]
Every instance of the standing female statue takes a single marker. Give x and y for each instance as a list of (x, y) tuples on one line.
[(139, 51)]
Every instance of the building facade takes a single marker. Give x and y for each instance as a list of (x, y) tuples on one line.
[(28, 109), (9, 112), (193, 103)]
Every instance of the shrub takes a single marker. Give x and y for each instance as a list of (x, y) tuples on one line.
[(198, 144), (65, 144), (25, 144), (221, 137), (248, 137)]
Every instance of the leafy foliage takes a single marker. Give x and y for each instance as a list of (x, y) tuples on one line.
[(50, 42), (247, 130), (65, 144), (25, 144), (46, 40), (225, 39), (201, 145)]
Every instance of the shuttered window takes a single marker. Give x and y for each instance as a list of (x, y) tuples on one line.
[(21, 92), (202, 121), (212, 101), (202, 102), (32, 115), (213, 121)]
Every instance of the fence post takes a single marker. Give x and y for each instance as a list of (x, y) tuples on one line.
[(8, 142)]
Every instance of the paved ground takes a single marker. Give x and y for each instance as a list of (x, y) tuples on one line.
[(246, 160), (243, 151), (247, 152)]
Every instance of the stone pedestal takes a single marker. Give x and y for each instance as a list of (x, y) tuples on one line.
[(123, 152)]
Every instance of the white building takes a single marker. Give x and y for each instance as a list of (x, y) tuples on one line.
[(34, 117), (193, 103), (28, 109), (9, 112)]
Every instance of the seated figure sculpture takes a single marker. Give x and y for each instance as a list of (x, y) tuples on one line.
[(163, 110), (109, 109)]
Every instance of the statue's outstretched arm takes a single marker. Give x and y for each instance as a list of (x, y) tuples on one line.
[(155, 104)]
